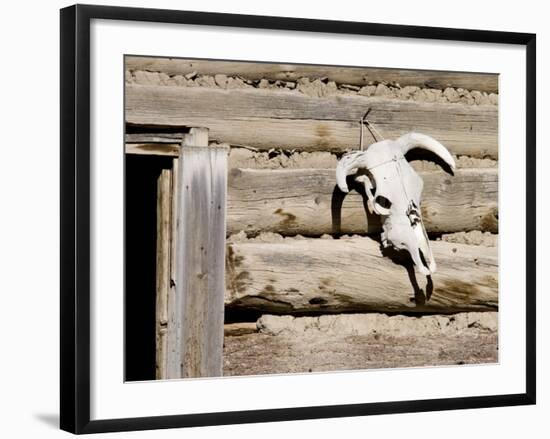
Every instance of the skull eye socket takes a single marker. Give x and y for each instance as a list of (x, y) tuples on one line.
[(383, 202)]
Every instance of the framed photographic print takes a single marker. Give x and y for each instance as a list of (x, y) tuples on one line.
[(340, 213)]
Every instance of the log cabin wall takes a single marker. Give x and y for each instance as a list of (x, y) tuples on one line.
[(297, 247)]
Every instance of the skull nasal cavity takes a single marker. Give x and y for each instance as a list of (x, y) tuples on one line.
[(383, 202)]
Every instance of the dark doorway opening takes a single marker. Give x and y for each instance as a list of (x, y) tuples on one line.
[(140, 225)]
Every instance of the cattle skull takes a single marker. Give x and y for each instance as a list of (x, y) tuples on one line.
[(394, 192)]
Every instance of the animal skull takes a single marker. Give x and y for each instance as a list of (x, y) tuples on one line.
[(394, 191)]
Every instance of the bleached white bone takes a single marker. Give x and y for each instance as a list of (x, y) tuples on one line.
[(368, 190), (394, 192)]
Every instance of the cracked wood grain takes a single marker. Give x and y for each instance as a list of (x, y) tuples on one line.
[(277, 119), (306, 201), (352, 275)]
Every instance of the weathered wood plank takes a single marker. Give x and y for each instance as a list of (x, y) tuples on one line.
[(166, 144), (200, 256), (173, 335), (239, 329), (197, 137), (341, 75), (278, 119), (351, 275), (164, 200), (306, 202), (155, 137), (161, 148)]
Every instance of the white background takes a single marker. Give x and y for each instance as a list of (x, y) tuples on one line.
[(29, 221)]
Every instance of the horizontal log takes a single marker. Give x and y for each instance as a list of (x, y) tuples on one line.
[(351, 275), (281, 119), (342, 75), (306, 201)]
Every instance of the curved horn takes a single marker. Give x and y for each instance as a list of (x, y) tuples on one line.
[(346, 166), (416, 140), (341, 174)]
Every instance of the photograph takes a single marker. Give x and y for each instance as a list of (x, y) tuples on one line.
[(266, 220), (297, 218)]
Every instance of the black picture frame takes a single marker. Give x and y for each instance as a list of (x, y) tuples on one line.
[(75, 217)]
